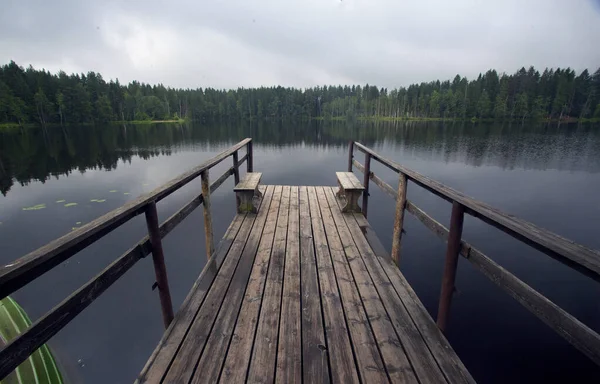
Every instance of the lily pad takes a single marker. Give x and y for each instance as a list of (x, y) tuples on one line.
[(100, 201), (94, 200), (60, 201), (112, 191), (126, 193), (74, 228), (35, 207), (70, 204), (77, 223)]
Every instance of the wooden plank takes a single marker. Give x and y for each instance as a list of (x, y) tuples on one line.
[(21, 347), (25, 269), (238, 356), (164, 352), (367, 173), (349, 181), (567, 326), (339, 348), (418, 353), (576, 256), (289, 352), (315, 365), (264, 353), (187, 356), (208, 368), (369, 361), (249, 182), (452, 367), (394, 357)]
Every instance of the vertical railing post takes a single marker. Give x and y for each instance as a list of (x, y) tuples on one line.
[(350, 155), (399, 218), (208, 230), (452, 251), (158, 258), (367, 177), (236, 170), (250, 160)]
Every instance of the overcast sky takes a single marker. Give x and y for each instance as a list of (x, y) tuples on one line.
[(232, 43)]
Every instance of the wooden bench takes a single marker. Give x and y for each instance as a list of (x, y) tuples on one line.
[(245, 192), (350, 189)]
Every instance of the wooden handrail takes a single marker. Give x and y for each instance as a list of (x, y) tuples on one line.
[(575, 255), (25, 269), (574, 331), (29, 267)]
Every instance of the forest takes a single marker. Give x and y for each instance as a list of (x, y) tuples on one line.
[(32, 96)]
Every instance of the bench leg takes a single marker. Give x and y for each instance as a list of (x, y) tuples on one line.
[(351, 199), (246, 202)]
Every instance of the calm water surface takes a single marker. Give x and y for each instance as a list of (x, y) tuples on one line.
[(545, 174)]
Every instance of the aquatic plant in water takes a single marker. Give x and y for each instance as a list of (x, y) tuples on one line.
[(35, 207), (70, 204)]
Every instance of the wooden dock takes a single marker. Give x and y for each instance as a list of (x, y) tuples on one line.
[(298, 293), (297, 290)]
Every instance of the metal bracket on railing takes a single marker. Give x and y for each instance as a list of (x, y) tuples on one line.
[(154, 286)]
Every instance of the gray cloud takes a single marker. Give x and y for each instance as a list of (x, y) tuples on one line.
[(231, 43)]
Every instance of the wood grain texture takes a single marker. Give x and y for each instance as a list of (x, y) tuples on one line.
[(394, 357), (208, 369), (264, 353), (339, 348), (165, 351), (452, 367), (249, 182), (315, 363), (289, 353), (208, 228), (240, 349), (577, 256), (25, 269), (418, 353), (369, 361), (188, 354), (399, 219), (349, 181)]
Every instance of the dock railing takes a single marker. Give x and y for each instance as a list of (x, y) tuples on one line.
[(29, 267), (574, 255)]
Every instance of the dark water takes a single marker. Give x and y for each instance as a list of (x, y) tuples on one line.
[(547, 175)]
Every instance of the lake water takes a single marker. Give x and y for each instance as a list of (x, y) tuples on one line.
[(545, 174)]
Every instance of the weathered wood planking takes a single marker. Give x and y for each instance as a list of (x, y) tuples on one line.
[(289, 354), (262, 365), (25, 269), (575, 255), (349, 181), (216, 346), (394, 357), (453, 369), (339, 347), (424, 364), (315, 364), (238, 357), (164, 353), (369, 361), (182, 366), (249, 182)]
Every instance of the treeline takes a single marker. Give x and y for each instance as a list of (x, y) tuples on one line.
[(30, 95)]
